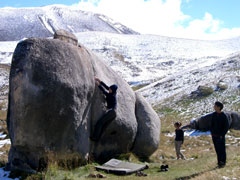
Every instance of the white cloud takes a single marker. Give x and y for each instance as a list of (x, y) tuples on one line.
[(159, 17)]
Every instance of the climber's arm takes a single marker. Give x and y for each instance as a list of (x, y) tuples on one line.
[(101, 85), (104, 85), (102, 89)]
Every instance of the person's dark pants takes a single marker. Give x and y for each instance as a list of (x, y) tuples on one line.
[(220, 148), (102, 124)]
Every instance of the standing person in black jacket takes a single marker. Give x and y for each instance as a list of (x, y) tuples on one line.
[(179, 138), (111, 98), (219, 128)]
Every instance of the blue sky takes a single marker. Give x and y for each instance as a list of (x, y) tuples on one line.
[(225, 10), (199, 19), (34, 3)]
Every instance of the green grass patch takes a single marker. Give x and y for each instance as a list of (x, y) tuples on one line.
[(137, 87), (203, 166), (166, 110), (185, 102), (199, 151)]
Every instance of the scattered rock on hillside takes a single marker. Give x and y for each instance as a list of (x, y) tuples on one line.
[(202, 91), (238, 78), (221, 86)]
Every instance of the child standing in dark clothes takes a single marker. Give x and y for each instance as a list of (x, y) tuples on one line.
[(179, 138)]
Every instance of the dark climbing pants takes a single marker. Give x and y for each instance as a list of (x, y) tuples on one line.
[(102, 124), (219, 144)]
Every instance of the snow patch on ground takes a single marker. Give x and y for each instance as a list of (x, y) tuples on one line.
[(3, 142), (6, 51), (196, 133), (2, 136), (7, 46), (228, 178), (4, 175), (192, 132)]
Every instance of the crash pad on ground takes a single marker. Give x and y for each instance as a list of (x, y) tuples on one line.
[(120, 167)]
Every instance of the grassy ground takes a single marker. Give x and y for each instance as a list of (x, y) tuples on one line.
[(201, 158), (3, 129), (201, 168), (200, 164)]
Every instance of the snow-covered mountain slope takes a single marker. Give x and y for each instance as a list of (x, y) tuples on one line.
[(165, 66), (147, 58), (4, 84), (18, 23), (182, 83), (6, 51)]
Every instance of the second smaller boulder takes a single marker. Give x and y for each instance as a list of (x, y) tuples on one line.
[(66, 37)]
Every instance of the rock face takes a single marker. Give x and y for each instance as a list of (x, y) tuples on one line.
[(148, 123), (235, 120), (221, 86), (54, 105), (202, 91), (66, 37), (203, 123)]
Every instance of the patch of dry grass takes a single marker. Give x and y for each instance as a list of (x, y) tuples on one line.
[(3, 115), (4, 157), (200, 151), (200, 164), (5, 67)]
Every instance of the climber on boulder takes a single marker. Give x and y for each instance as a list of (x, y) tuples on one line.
[(111, 99)]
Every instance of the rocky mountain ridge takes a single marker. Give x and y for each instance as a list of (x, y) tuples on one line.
[(19, 23)]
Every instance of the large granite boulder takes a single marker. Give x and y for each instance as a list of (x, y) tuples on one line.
[(149, 124), (54, 105), (203, 123)]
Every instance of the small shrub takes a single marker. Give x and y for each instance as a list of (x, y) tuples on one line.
[(2, 163), (118, 56), (38, 176), (124, 156), (165, 110), (137, 87), (195, 156)]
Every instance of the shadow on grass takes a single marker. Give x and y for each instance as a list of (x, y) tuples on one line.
[(195, 174)]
